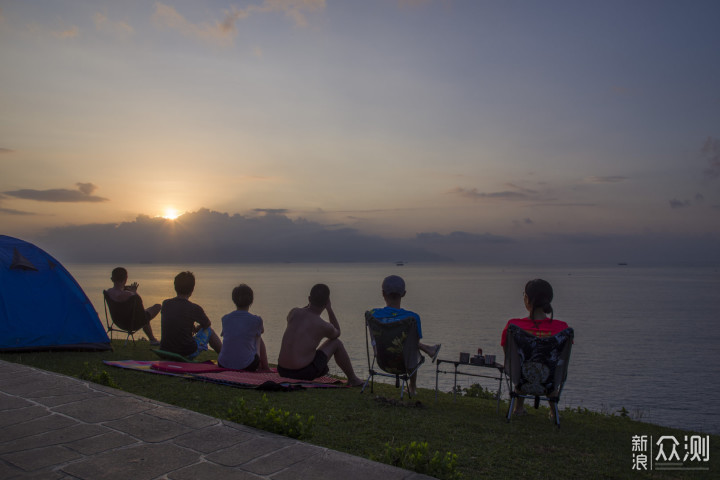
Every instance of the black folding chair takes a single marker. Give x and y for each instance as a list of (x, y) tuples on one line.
[(537, 367), (395, 350)]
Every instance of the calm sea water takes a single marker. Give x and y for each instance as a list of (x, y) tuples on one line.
[(645, 337)]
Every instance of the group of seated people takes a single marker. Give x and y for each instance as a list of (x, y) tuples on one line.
[(307, 345), (309, 341)]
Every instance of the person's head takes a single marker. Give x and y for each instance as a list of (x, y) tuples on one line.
[(184, 283), (119, 275), (242, 296), (319, 295), (393, 287), (539, 294)]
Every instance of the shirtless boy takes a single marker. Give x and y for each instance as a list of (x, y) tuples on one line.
[(300, 357)]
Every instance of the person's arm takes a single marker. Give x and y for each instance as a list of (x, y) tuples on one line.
[(333, 322)]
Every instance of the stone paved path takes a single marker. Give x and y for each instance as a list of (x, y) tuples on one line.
[(57, 427)]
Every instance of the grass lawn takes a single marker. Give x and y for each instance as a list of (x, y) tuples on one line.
[(588, 444)]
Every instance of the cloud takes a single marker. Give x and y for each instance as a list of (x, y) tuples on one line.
[(461, 237), (607, 179), (71, 32), (103, 24), (5, 151), (711, 152), (474, 194), (82, 194), (675, 203), (271, 211), (10, 211), (209, 236), (223, 31)]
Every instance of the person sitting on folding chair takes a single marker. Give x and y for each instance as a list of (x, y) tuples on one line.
[(537, 297), (393, 291), (120, 292)]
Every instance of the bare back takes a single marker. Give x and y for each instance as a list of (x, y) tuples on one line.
[(305, 330)]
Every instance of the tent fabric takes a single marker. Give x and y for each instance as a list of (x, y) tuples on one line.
[(42, 307)]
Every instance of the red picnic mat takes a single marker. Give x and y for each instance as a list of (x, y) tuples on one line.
[(185, 367), (265, 380)]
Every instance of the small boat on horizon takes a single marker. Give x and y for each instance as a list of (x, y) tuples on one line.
[(399, 263)]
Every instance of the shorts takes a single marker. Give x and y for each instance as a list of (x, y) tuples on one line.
[(250, 368), (202, 337), (317, 368)]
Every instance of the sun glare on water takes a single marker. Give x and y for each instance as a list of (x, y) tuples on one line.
[(171, 214)]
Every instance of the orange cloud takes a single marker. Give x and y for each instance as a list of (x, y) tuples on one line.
[(223, 31), (103, 24)]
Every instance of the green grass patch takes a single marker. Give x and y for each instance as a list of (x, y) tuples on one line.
[(449, 438)]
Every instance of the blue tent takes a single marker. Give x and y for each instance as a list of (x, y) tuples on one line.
[(42, 307)]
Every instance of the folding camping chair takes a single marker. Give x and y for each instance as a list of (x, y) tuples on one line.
[(537, 367), (395, 350), (127, 317)]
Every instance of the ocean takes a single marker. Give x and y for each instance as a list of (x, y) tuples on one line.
[(645, 338)]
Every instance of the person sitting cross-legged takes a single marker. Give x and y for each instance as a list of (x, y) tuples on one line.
[(243, 347), (184, 326)]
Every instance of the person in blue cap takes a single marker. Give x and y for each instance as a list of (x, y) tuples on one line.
[(393, 291)]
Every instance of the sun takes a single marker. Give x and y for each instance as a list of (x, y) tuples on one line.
[(171, 214)]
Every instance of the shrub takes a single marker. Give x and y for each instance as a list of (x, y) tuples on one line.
[(101, 378), (416, 457), (477, 391), (272, 419)]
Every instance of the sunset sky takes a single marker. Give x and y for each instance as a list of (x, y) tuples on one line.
[(511, 119)]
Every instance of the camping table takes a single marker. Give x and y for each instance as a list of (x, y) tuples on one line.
[(490, 374)]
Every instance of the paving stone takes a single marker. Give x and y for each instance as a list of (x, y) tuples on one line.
[(62, 397), (143, 462), (95, 410), (330, 465), (101, 443), (9, 402), (211, 439), (9, 471), (34, 427), (50, 473), (13, 417), (56, 437), (148, 428), (211, 471), (185, 417), (30, 460), (244, 452), (282, 459)]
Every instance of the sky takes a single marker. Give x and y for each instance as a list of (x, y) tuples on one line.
[(467, 129)]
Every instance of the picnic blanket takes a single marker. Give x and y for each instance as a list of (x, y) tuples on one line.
[(265, 380), (210, 372)]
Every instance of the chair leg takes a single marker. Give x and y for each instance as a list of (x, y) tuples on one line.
[(366, 383), (554, 407), (510, 408)]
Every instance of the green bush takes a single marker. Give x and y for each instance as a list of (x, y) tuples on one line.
[(416, 457), (477, 391), (99, 377), (272, 419)]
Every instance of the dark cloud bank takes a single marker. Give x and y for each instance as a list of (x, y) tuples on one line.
[(208, 236)]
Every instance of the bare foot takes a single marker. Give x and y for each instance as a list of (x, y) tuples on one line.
[(355, 383)]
